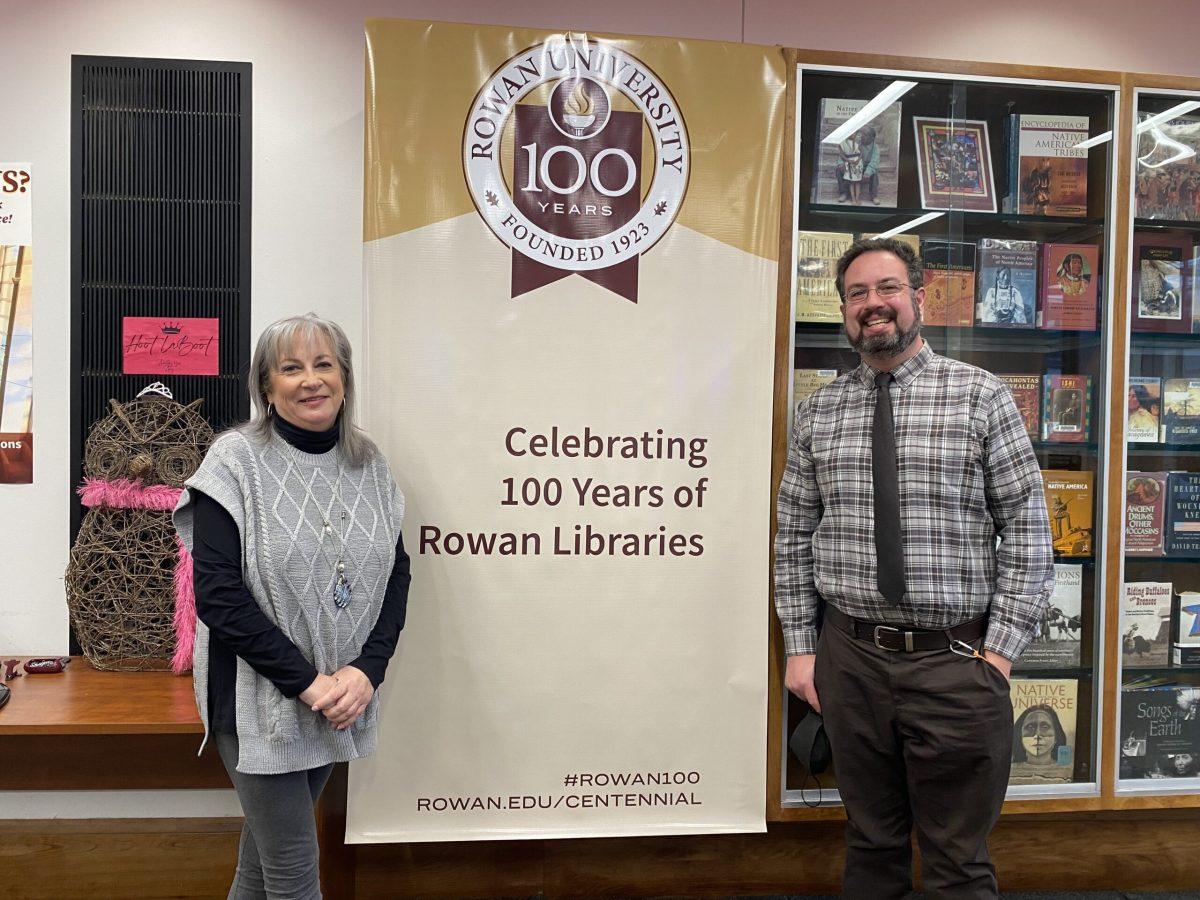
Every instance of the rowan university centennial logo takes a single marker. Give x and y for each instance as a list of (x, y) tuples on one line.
[(553, 154)]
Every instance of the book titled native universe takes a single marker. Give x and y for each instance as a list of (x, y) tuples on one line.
[(1006, 295), (1145, 623), (1056, 644), (1160, 731), (1044, 718), (1027, 394), (1047, 170), (949, 282), (1069, 505), (817, 253), (1070, 279), (1067, 402), (1145, 509)]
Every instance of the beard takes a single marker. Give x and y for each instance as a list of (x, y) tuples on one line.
[(886, 345)]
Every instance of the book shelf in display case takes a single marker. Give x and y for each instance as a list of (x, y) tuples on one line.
[(1158, 689), (988, 180)]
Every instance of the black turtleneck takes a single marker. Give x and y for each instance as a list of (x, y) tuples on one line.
[(238, 626)]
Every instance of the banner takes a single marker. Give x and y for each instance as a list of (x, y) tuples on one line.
[(571, 261), (16, 324)]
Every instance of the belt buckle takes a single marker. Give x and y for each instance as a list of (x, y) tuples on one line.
[(907, 639)]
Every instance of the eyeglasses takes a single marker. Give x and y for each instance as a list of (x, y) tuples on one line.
[(885, 290)]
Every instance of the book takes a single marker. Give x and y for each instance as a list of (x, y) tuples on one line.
[(1006, 295), (1183, 514), (1161, 285), (1160, 731), (1185, 649), (817, 254), (1048, 174), (1044, 719), (949, 268), (1069, 505), (1167, 185), (1145, 623), (1057, 642), (1067, 406), (1027, 394), (1069, 287), (954, 164), (1180, 420), (805, 383), (861, 170), (1145, 410), (1145, 510)]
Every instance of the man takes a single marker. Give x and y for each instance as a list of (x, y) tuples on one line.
[(889, 513)]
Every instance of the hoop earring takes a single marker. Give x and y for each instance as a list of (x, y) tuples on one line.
[(270, 410)]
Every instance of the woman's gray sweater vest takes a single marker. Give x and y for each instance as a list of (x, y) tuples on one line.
[(289, 564)]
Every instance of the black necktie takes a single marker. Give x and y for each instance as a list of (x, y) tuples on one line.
[(889, 553)]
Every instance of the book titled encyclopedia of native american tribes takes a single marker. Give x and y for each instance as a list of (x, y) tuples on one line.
[(1047, 173)]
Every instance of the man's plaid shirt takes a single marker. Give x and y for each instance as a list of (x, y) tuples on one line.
[(967, 476)]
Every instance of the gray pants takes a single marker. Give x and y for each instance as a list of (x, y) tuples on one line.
[(277, 856)]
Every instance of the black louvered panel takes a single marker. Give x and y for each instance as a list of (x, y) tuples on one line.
[(161, 215)]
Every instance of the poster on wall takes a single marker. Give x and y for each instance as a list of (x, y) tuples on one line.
[(570, 248), (16, 324)]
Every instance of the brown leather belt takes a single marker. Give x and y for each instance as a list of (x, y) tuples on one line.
[(904, 638)]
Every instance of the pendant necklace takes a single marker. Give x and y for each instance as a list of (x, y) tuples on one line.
[(342, 593)]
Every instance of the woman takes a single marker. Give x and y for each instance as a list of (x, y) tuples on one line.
[(301, 580)]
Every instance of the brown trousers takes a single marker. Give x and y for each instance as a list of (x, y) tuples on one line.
[(920, 739)]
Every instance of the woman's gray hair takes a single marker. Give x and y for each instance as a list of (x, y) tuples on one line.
[(274, 342)]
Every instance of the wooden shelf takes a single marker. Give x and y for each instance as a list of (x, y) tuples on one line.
[(83, 700)]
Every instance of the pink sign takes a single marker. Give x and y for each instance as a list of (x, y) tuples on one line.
[(157, 345)]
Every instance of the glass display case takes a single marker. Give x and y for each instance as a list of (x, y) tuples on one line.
[(1158, 706), (1005, 187)]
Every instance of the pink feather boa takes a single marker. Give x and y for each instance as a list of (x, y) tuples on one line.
[(123, 493)]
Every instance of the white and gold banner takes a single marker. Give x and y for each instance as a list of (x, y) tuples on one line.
[(571, 248)]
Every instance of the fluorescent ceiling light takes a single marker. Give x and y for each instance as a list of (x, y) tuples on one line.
[(908, 226), (874, 107), (1094, 142), (1171, 113)]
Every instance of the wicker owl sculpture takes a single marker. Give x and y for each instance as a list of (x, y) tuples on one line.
[(129, 579)]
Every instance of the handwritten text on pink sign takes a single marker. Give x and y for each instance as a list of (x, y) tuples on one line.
[(157, 345)]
